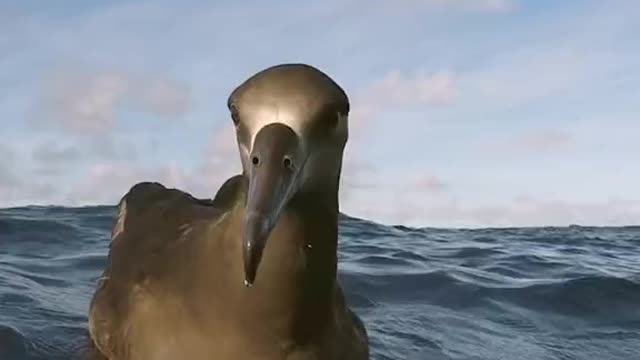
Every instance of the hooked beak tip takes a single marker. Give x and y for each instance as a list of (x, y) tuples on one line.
[(252, 257)]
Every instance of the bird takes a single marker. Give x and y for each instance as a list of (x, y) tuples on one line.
[(252, 272)]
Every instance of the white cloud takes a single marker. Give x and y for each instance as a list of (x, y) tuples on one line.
[(162, 96), (413, 6), (14, 189), (430, 200), (522, 76), (543, 140), (531, 74), (106, 183), (396, 89), (89, 102), (109, 148), (430, 184), (221, 161), (357, 177), (52, 152), (449, 211), (500, 68), (531, 212), (497, 6), (53, 158), (399, 89), (7, 177), (85, 103), (539, 141)]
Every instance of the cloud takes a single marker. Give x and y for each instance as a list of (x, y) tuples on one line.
[(62, 156), (516, 86), (357, 176), (400, 89), (89, 102), (162, 96), (221, 161), (538, 141), (110, 148), (14, 188), (449, 211), (490, 6), (541, 212), (85, 103), (472, 6), (106, 183), (397, 89), (419, 90), (430, 184), (28, 192), (522, 76), (542, 140), (429, 200), (7, 177), (52, 152)]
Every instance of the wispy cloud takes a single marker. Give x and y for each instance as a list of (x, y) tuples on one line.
[(429, 183), (89, 102), (458, 106), (7, 177), (52, 152), (400, 89), (543, 213), (221, 160), (538, 141), (16, 189), (543, 140), (492, 6), (109, 148), (472, 6), (450, 210), (106, 182), (115, 176), (357, 176)]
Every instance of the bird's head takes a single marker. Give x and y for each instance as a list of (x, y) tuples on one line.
[(292, 127)]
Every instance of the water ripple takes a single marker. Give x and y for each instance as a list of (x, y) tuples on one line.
[(424, 293)]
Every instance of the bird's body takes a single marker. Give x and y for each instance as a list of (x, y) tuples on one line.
[(173, 286)]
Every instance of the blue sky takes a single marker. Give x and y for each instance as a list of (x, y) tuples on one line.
[(464, 112)]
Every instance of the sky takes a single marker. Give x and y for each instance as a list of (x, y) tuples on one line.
[(464, 113)]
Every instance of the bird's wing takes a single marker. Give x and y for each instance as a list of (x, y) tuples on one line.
[(150, 221)]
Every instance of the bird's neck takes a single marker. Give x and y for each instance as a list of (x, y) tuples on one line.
[(301, 252), (295, 282)]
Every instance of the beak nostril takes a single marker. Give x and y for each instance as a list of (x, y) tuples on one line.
[(255, 160), (287, 162)]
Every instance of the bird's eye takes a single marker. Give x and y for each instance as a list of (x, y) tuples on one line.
[(334, 118), (234, 114)]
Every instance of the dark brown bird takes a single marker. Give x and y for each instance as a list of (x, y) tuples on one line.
[(250, 274)]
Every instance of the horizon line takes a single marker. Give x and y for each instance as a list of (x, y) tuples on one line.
[(404, 227)]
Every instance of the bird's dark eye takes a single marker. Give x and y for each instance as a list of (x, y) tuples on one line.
[(334, 118), (234, 114)]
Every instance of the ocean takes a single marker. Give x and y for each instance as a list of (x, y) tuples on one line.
[(564, 293)]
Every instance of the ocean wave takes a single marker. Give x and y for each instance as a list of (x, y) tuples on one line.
[(424, 293)]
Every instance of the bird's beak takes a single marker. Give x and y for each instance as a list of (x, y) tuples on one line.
[(275, 168)]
